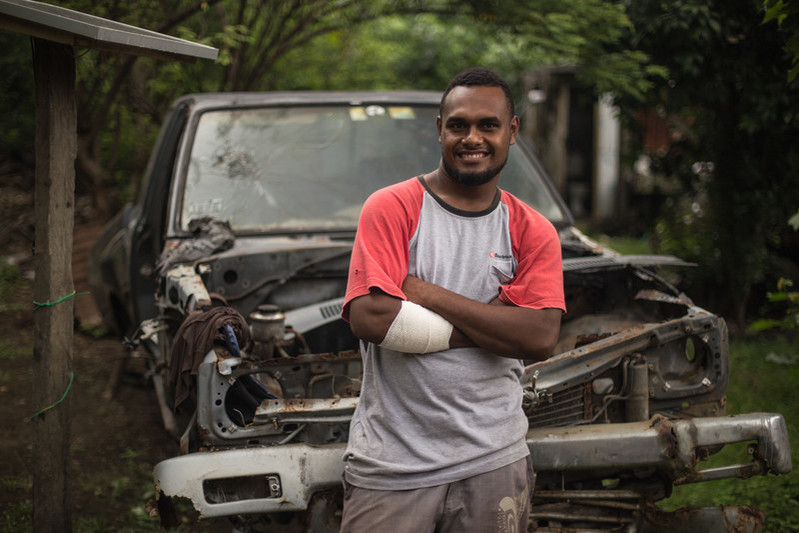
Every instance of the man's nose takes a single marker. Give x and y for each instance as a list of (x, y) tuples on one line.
[(472, 136)]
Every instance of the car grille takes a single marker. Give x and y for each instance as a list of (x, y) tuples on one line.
[(330, 310), (563, 408)]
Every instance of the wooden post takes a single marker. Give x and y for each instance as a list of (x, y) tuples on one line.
[(54, 206)]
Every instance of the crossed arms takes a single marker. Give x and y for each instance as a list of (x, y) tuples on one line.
[(502, 329)]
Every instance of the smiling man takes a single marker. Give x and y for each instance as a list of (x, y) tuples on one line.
[(453, 282)]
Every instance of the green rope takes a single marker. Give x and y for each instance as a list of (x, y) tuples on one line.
[(39, 305), (69, 386)]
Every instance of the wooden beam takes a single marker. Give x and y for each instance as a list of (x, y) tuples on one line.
[(54, 206)]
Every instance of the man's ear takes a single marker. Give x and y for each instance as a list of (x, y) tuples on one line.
[(438, 127), (514, 129)]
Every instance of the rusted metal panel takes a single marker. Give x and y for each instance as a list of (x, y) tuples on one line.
[(724, 519), (185, 289)]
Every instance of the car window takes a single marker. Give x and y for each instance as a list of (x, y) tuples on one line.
[(294, 168)]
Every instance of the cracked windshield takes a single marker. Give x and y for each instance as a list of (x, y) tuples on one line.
[(312, 168)]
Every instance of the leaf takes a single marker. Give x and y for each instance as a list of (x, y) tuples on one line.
[(775, 297), (774, 11), (794, 220), (764, 324)]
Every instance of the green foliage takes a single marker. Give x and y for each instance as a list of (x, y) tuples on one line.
[(388, 53), (130, 486), (17, 519), (786, 300), (794, 221), (96, 332), (580, 33), (623, 245), (683, 230), (726, 87), (12, 353), (10, 280), (423, 51), (16, 85), (781, 11)]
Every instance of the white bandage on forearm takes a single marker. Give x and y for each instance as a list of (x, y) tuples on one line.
[(417, 330)]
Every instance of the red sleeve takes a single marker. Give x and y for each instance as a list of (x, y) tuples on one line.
[(538, 282), (380, 252)]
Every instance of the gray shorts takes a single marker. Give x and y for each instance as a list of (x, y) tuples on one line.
[(497, 501)]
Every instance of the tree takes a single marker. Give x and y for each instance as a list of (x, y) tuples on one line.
[(781, 11), (266, 44), (727, 80)]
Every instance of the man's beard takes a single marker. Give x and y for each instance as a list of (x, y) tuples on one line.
[(473, 178)]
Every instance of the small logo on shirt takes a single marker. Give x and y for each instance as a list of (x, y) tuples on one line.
[(499, 256)]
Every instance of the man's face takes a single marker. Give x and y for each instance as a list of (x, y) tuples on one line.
[(475, 132)]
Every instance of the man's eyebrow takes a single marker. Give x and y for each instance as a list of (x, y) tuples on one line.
[(456, 118)]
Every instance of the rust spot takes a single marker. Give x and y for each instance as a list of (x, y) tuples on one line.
[(311, 358), (296, 404), (303, 467), (666, 436), (330, 356), (749, 512), (588, 405), (702, 454), (733, 518), (589, 338)]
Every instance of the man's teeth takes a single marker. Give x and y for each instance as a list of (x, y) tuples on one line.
[(472, 156)]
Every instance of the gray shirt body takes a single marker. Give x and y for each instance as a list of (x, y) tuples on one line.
[(429, 419)]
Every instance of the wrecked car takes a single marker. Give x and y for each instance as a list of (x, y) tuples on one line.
[(228, 275)]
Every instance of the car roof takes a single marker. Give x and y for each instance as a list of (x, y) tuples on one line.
[(246, 99)]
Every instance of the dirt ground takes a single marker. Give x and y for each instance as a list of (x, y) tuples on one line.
[(113, 442), (116, 441)]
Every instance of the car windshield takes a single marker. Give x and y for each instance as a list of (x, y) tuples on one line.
[(297, 168)]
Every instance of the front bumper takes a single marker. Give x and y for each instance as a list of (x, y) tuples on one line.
[(294, 472), (673, 445)]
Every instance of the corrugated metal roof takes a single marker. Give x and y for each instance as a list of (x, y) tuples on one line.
[(62, 25)]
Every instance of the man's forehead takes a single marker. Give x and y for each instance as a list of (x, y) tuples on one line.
[(481, 99)]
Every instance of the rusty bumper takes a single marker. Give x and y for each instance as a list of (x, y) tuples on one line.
[(672, 444)]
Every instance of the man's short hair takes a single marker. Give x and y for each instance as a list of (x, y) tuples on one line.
[(479, 77)]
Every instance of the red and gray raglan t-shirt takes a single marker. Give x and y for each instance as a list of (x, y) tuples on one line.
[(428, 419)]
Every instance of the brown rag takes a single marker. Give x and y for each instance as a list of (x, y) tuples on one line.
[(195, 338)]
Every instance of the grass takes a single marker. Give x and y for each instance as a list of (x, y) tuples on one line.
[(17, 518), (625, 245), (132, 487), (9, 278), (10, 352)]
